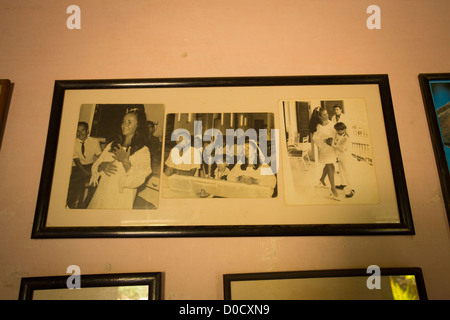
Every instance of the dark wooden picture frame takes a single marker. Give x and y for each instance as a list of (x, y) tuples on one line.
[(228, 279), (402, 226), (426, 80), (5, 95), (152, 279)]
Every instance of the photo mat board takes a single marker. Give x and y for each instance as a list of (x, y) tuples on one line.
[(120, 286), (436, 97), (343, 284), (254, 103)]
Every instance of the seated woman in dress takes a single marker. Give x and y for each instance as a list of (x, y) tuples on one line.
[(251, 173), (123, 165)]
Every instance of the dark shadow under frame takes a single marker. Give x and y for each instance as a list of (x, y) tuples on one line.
[(152, 280), (404, 227), (229, 278), (435, 133)]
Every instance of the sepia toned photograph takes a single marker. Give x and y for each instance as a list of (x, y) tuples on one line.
[(220, 155), (117, 157), (329, 148)]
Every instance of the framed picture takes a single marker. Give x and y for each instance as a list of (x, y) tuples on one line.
[(225, 157), (5, 91), (126, 286), (345, 284), (436, 96)]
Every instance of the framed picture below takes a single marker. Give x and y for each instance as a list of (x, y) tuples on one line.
[(222, 157), (5, 91), (345, 284), (436, 97), (126, 286)]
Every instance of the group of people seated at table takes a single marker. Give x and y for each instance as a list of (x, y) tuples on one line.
[(234, 168)]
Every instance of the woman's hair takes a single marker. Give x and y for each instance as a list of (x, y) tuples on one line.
[(140, 138), (315, 120)]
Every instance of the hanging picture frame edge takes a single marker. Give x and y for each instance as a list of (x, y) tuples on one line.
[(153, 279), (435, 134)]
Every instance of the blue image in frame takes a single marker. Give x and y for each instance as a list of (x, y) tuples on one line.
[(440, 91)]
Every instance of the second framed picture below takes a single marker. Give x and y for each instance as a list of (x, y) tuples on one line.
[(219, 157), (344, 284), (120, 286)]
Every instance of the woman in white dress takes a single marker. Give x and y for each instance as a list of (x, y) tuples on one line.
[(123, 165), (323, 132)]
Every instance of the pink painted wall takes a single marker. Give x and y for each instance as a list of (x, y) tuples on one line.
[(161, 38)]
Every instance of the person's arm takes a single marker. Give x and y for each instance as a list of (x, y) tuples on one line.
[(100, 165), (108, 167), (123, 156), (97, 150), (319, 138), (139, 168), (342, 144), (81, 167)]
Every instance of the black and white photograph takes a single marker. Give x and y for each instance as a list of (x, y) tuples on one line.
[(329, 148), (117, 157), (220, 155)]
